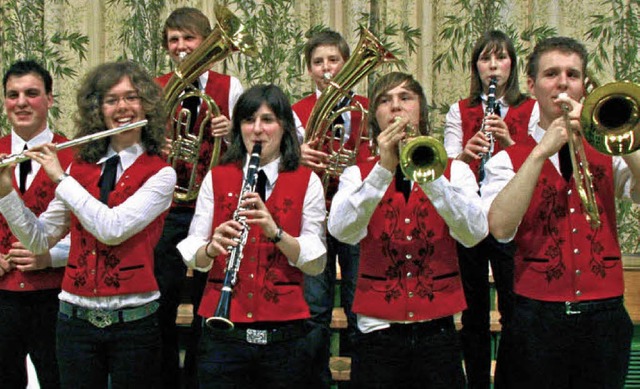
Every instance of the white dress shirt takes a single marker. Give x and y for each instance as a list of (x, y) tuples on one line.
[(313, 250), (456, 201), (60, 252), (110, 226), (499, 171), (453, 135)]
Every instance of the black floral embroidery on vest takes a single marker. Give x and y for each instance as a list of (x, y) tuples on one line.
[(275, 259), (549, 213)]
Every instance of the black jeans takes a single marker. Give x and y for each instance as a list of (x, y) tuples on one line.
[(28, 326), (423, 355), (547, 348), (475, 333)]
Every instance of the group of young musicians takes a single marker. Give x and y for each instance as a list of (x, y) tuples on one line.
[(95, 248)]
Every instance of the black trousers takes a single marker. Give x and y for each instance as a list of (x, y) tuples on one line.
[(475, 333)]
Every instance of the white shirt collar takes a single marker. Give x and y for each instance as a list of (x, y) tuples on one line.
[(17, 143), (127, 156)]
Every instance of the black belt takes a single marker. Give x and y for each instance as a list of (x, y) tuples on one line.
[(264, 335), (102, 318), (573, 308), (425, 327)]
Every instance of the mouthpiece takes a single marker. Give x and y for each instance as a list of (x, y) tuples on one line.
[(327, 76), (182, 55)]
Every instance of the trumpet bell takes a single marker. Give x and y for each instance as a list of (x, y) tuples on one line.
[(423, 159), (611, 118)]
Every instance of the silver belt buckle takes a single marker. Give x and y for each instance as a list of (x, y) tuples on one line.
[(100, 318), (569, 310), (256, 336)]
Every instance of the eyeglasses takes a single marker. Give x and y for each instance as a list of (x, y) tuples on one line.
[(112, 101)]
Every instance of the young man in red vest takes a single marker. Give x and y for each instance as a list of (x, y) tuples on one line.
[(466, 138), (284, 238), (409, 283), (184, 30), (112, 199), (325, 54), (29, 284), (569, 328)]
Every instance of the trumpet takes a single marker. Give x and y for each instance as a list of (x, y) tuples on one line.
[(220, 319), (422, 158), (17, 158)]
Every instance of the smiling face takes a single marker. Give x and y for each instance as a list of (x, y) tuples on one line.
[(122, 105), (181, 43), (263, 127), (558, 72), (27, 104)]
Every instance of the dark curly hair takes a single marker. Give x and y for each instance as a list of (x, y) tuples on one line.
[(247, 105), (90, 119)]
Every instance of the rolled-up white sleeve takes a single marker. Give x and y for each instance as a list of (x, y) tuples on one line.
[(458, 203), (312, 239)]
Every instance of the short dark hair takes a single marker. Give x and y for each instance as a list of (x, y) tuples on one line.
[(559, 43), (495, 41), (326, 38), (385, 84), (89, 118), (186, 19), (22, 68), (248, 103)]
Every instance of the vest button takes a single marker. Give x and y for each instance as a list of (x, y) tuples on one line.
[(22, 285), (578, 272), (93, 271), (250, 295), (574, 230), (249, 315), (93, 252), (229, 194), (409, 275), (252, 276), (408, 256), (407, 221), (253, 239), (572, 210), (409, 237), (578, 293), (411, 314), (569, 192), (576, 251), (95, 291), (410, 294)]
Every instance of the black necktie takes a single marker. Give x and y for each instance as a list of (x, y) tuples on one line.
[(25, 169), (261, 185), (108, 178), (339, 120), (192, 103), (402, 184), (496, 110), (566, 168)]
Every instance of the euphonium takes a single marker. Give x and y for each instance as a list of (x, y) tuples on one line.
[(228, 36), (220, 318), (368, 54), (422, 157)]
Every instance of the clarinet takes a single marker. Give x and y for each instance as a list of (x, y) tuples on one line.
[(220, 319), (491, 107)]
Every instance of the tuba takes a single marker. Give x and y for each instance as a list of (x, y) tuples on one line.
[(368, 54), (610, 123), (422, 158), (228, 36)]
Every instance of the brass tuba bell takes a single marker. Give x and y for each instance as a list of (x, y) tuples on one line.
[(228, 36), (368, 54)]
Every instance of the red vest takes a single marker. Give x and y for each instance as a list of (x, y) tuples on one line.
[(559, 257), (36, 198), (408, 260), (303, 109), (218, 88), (517, 120), (96, 269), (268, 287)]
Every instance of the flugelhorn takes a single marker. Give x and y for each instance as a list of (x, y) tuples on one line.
[(228, 36), (220, 318), (17, 158), (368, 54), (422, 158)]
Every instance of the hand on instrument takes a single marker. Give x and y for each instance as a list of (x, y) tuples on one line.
[(495, 125), (558, 132), (388, 141), (315, 159), (6, 178), (478, 144), (166, 149), (224, 236), (25, 260), (256, 212), (220, 126), (47, 157)]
